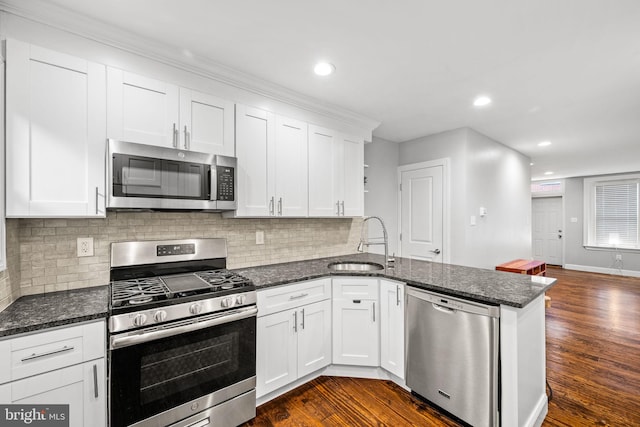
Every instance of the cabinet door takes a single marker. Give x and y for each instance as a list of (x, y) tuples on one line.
[(141, 109), (355, 332), (55, 134), (392, 327), (276, 359), (206, 123), (291, 167), (353, 177), (314, 337), (254, 137), (82, 387), (325, 171)]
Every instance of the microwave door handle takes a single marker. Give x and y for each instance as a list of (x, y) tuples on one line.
[(213, 187)]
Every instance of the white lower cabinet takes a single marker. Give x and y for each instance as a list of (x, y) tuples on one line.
[(82, 387), (356, 320), (392, 327), (58, 367), (295, 341)]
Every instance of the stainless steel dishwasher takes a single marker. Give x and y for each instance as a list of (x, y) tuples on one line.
[(452, 355)]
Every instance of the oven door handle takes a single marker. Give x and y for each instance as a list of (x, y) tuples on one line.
[(152, 334)]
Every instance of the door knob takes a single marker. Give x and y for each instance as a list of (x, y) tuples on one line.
[(436, 251)]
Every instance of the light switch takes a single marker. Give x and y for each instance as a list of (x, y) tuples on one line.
[(483, 212), (472, 222), (259, 237), (574, 219)]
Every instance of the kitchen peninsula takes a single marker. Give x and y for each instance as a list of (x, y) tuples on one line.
[(520, 298)]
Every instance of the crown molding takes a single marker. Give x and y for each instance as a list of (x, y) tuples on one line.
[(80, 25)]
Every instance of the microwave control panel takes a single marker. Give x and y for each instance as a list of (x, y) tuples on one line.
[(225, 183)]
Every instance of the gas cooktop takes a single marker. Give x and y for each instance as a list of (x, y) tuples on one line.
[(141, 292)]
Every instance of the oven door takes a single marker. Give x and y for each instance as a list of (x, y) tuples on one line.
[(166, 373)]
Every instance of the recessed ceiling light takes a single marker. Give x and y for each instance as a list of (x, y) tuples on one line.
[(324, 69), (481, 101), (544, 144), (531, 164), (548, 173)]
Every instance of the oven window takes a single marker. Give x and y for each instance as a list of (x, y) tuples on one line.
[(150, 378)]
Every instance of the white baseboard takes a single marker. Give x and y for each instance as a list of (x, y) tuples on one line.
[(603, 270)]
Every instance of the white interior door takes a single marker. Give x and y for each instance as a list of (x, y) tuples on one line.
[(421, 216), (547, 229)]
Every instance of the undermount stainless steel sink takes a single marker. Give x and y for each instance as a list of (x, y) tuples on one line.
[(355, 266)]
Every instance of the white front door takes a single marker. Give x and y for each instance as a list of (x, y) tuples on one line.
[(547, 229), (421, 216)]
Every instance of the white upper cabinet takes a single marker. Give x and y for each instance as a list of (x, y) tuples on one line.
[(336, 175), (149, 111), (55, 134), (353, 201), (255, 131), (141, 109), (325, 168), (290, 155), (272, 164), (206, 123)]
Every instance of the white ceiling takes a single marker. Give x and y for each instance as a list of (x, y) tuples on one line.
[(567, 71)]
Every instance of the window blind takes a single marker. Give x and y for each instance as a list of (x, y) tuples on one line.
[(616, 214)]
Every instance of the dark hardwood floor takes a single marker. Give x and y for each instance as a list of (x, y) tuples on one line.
[(593, 367)]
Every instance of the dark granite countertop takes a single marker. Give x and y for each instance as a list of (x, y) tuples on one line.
[(35, 312), (486, 286)]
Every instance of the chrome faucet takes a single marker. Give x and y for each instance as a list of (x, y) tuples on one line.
[(366, 242)]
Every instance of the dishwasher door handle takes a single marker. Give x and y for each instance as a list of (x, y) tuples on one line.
[(443, 309)]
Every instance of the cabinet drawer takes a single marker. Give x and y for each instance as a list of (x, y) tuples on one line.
[(355, 288), (45, 351), (290, 296)]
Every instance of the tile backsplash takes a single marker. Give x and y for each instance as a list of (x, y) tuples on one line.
[(10, 278), (46, 258)]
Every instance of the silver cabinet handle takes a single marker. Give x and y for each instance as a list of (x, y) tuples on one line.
[(175, 136), (48, 353), (303, 318), (374, 312), (97, 194), (342, 204), (95, 381), (186, 138), (295, 321), (338, 207), (397, 294), (298, 296), (271, 207), (280, 206)]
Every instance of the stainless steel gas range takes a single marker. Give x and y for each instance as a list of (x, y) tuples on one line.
[(182, 336)]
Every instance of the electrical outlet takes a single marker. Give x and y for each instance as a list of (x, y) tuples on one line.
[(259, 237), (85, 246), (618, 257)]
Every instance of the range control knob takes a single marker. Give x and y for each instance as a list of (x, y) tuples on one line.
[(160, 316), (241, 299), (139, 319), (195, 308), (227, 302)]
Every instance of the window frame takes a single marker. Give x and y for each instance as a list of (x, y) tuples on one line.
[(589, 234)]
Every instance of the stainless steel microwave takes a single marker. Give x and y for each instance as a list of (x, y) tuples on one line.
[(149, 177)]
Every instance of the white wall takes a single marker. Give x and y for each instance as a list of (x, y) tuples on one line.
[(484, 173), (576, 256), (382, 186)]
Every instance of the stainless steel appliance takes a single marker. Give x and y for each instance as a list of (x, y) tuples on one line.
[(452, 355), (149, 177), (182, 336)]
